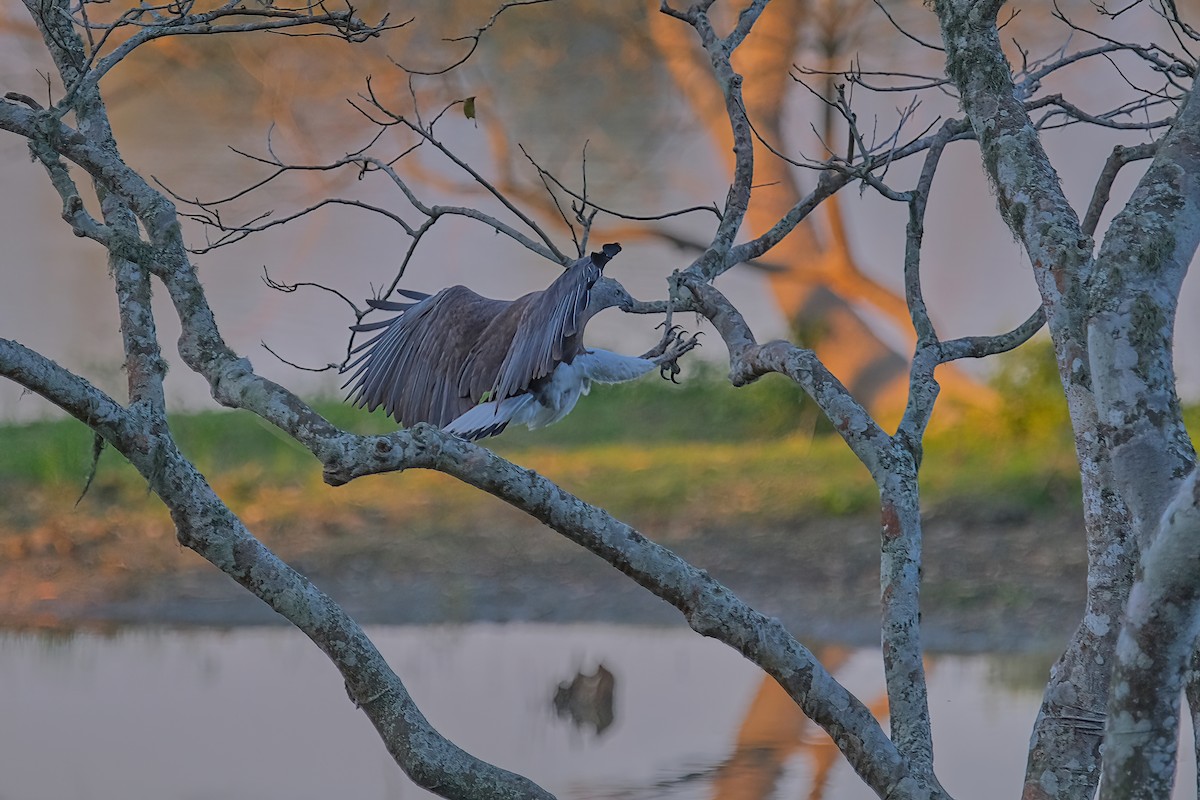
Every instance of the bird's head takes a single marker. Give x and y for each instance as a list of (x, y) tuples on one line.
[(607, 293)]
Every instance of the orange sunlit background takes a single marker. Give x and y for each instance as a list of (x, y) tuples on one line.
[(630, 86), (552, 78)]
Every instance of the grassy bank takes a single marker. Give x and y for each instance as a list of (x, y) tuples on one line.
[(649, 450), (746, 482)]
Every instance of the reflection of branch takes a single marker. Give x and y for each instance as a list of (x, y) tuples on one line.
[(709, 608)]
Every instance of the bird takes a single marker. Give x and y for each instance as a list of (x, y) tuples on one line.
[(472, 365)]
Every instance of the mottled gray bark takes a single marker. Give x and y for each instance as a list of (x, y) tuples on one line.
[(140, 431), (1192, 694), (1064, 750), (1156, 643), (1139, 271), (1110, 318), (206, 525)]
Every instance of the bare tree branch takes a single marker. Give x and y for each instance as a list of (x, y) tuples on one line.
[(715, 259), (474, 38), (1110, 314), (710, 608), (262, 18), (1119, 157), (206, 525)]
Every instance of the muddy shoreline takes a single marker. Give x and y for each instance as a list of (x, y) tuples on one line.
[(995, 580)]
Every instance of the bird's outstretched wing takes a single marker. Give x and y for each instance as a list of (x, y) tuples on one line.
[(447, 353), (537, 332), (412, 367)]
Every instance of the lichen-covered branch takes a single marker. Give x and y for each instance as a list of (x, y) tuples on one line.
[(144, 365), (1106, 314), (1119, 157), (1157, 641), (1134, 300), (710, 608), (1065, 748), (1132, 303), (715, 260), (142, 435), (205, 525)]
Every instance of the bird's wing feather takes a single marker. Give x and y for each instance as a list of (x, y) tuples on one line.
[(389, 305), (363, 327), (532, 336), (411, 367)]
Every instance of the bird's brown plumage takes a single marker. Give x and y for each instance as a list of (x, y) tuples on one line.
[(447, 352)]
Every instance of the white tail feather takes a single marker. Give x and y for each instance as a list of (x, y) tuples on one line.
[(488, 419)]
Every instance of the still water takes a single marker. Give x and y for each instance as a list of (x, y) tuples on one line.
[(259, 712)]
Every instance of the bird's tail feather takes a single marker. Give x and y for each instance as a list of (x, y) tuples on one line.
[(489, 419)]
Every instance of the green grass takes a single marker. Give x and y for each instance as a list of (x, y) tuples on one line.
[(703, 408), (646, 446)]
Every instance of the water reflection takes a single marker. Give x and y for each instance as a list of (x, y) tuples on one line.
[(259, 712), (587, 700), (774, 731)]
